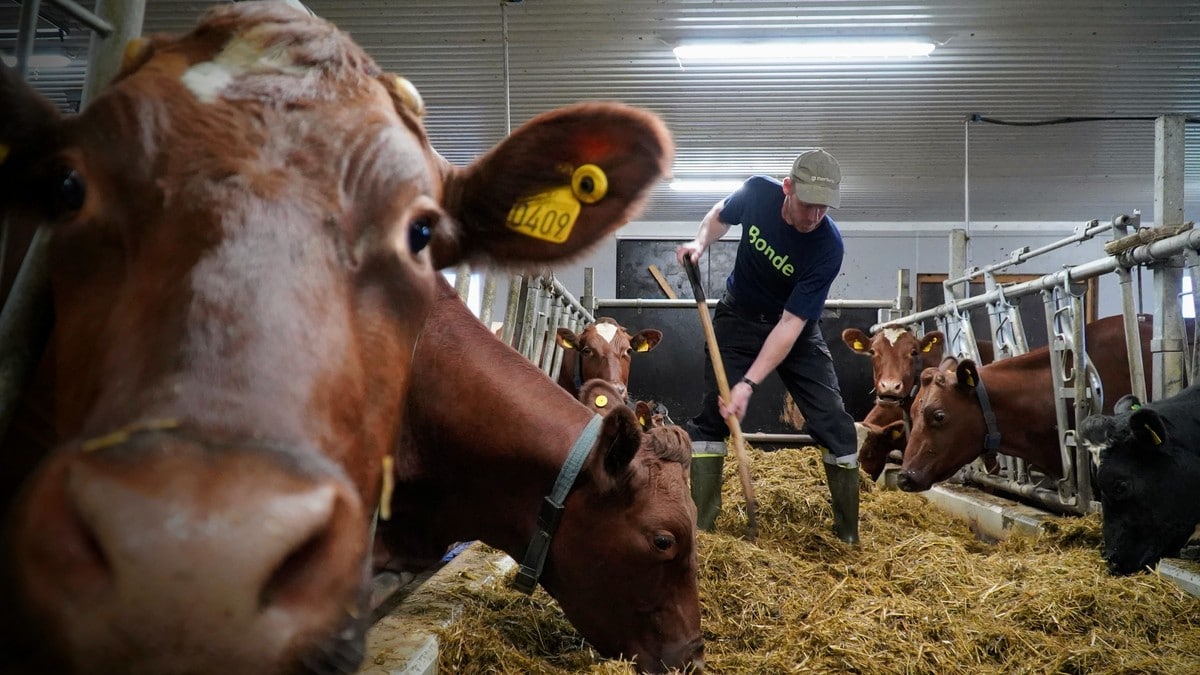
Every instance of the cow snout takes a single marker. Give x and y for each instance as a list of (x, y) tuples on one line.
[(688, 657), (890, 388), (172, 558), (909, 481)]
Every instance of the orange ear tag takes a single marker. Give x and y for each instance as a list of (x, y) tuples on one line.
[(551, 215), (601, 401)]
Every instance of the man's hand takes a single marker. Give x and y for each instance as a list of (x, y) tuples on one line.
[(693, 249), (741, 400)]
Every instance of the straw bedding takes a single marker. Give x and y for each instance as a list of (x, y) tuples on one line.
[(920, 595)]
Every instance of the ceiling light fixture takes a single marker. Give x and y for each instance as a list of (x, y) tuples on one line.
[(39, 61), (806, 50)]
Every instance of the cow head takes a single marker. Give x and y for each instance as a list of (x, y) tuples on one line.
[(240, 264), (897, 356), (947, 426), (605, 349), (1147, 477), (632, 591)]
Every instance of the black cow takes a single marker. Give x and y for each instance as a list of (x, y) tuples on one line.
[(1148, 477)]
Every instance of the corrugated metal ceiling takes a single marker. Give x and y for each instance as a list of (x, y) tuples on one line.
[(898, 127)]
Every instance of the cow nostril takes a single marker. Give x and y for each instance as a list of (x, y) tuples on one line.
[(287, 583)]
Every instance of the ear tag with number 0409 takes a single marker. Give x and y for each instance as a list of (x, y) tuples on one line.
[(551, 215)]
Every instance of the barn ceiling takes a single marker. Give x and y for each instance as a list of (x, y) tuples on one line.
[(899, 127)]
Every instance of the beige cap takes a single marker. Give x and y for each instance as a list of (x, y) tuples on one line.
[(816, 177)]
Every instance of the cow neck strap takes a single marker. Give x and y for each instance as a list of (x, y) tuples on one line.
[(991, 441), (552, 507)]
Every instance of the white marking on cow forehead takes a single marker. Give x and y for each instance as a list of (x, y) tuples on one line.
[(893, 334), (243, 54), (607, 331), (1096, 449)]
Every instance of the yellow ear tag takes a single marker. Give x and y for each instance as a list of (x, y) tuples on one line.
[(642, 421), (930, 345), (589, 183), (896, 435), (858, 346), (601, 401), (1153, 436), (643, 347), (970, 381), (386, 489), (548, 215)]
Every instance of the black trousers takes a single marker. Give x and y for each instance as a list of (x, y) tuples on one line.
[(807, 372)]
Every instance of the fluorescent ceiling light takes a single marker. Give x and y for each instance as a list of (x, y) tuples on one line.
[(806, 50), (717, 186), (39, 61)]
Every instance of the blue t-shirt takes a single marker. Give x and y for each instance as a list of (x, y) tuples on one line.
[(777, 267)]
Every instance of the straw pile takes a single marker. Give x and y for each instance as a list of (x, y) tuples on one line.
[(920, 595)]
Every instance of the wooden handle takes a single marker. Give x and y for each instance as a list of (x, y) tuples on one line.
[(735, 427), (662, 282)]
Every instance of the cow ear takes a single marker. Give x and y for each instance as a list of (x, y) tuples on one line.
[(29, 133), (893, 434), (567, 338), (933, 344), (1148, 427), (620, 438), (645, 340), (856, 340), (644, 413), (556, 185), (968, 374), (1096, 429), (1127, 403)]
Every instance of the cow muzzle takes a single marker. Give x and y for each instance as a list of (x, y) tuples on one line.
[(163, 554)]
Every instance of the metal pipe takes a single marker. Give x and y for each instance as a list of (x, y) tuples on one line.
[(1162, 249), (799, 439), (1021, 255), (99, 26), (488, 304), (510, 310), (25, 325), (106, 52), (26, 33), (647, 303)]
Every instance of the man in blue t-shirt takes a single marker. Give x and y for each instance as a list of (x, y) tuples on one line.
[(768, 320)]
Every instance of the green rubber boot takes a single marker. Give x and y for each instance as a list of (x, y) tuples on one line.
[(708, 464), (843, 488)]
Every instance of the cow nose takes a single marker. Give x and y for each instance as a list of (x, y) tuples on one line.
[(231, 556), (906, 482), (889, 388)]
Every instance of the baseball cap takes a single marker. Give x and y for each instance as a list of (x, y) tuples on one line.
[(816, 177)]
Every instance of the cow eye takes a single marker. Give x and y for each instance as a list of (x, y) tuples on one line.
[(939, 416), (663, 542), (420, 231), (72, 190), (587, 351), (1120, 489)]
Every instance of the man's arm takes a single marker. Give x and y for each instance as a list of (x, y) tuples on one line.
[(711, 229), (774, 351)]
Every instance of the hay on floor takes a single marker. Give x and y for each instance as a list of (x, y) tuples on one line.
[(920, 595)]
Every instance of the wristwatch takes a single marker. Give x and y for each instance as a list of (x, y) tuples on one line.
[(752, 383)]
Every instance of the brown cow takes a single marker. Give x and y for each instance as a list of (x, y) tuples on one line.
[(948, 427), (239, 272), (622, 563), (602, 350), (897, 358), (601, 396)]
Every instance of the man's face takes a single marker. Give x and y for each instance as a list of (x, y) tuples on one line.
[(800, 214)]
